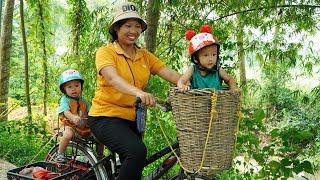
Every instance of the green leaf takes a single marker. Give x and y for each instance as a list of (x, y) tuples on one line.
[(286, 172), (259, 158), (285, 162), (303, 135), (275, 133), (274, 166), (259, 115), (304, 166)]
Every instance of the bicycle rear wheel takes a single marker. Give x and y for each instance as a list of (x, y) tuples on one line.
[(81, 153)]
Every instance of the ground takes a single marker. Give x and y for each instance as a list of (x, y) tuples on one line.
[(21, 112), (4, 167)]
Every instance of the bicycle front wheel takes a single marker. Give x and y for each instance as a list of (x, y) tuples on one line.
[(182, 176), (83, 154)]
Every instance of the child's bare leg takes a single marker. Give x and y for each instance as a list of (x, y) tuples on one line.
[(67, 135)]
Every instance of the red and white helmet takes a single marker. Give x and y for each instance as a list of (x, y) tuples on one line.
[(203, 39)]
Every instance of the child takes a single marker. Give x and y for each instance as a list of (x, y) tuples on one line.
[(205, 72), (73, 109)]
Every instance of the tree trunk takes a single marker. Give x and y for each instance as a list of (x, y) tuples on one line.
[(0, 16), (26, 62), (241, 60), (5, 50), (153, 14), (44, 59), (272, 69), (76, 28)]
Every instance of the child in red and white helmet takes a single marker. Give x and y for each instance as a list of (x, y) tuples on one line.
[(205, 71)]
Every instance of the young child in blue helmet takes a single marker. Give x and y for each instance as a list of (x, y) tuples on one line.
[(73, 109), (205, 71)]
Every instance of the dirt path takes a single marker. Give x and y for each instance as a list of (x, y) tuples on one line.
[(4, 167)]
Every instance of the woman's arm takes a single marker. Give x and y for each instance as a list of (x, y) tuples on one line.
[(169, 75), (112, 77), (229, 80)]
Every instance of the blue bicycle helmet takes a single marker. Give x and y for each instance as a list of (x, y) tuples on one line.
[(69, 75)]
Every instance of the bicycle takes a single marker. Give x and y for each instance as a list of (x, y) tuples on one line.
[(79, 150), (107, 167)]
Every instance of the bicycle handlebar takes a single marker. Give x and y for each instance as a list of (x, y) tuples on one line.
[(163, 105)]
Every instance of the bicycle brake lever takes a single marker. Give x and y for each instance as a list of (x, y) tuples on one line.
[(166, 107)]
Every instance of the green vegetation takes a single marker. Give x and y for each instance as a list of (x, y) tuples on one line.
[(278, 73), (21, 142)]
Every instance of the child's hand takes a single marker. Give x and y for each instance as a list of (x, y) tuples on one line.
[(183, 87), (236, 89), (76, 120)]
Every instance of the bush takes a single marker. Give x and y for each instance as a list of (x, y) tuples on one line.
[(281, 155), (21, 141)]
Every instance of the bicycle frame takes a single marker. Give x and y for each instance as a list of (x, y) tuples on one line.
[(167, 164), (108, 167), (113, 168)]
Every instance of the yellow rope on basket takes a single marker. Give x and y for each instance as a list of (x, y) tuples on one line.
[(212, 118)]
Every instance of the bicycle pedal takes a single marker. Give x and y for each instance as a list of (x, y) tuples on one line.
[(118, 163), (170, 160)]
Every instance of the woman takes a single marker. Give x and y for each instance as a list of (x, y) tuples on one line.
[(123, 72)]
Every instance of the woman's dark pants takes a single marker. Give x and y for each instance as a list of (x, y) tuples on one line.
[(121, 136)]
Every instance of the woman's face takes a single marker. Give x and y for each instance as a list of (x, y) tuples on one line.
[(208, 56), (129, 32)]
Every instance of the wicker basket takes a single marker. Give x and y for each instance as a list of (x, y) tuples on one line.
[(200, 152)]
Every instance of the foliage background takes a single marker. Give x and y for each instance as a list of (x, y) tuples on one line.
[(280, 124)]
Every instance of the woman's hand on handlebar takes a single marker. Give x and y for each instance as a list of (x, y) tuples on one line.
[(146, 98), (164, 106)]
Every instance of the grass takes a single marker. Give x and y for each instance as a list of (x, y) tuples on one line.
[(20, 141)]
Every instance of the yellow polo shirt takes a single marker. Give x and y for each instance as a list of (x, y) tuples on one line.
[(108, 101)]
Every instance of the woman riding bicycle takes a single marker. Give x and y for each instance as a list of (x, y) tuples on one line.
[(124, 69)]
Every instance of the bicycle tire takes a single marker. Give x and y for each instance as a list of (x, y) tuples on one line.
[(83, 154), (181, 176), (178, 177)]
